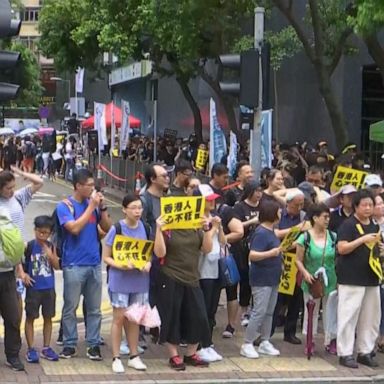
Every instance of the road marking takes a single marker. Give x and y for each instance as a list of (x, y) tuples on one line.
[(42, 194), (62, 183)]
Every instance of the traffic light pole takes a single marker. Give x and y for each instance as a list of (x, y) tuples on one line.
[(255, 133)]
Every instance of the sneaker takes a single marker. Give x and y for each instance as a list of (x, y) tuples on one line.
[(331, 348), (15, 363), (117, 366), (228, 332), (215, 356), (32, 356), (59, 340), (266, 348), (67, 353), (49, 354), (248, 350), (124, 349), (195, 361), (136, 363), (205, 355), (176, 363), (244, 320), (93, 353)]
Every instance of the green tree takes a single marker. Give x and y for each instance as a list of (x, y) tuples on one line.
[(323, 33), (368, 21)]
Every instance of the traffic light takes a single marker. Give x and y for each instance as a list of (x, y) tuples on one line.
[(245, 84), (8, 60)]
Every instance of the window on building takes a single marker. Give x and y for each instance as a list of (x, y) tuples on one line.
[(31, 14)]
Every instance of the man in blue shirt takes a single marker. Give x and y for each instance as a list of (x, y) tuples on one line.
[(80, 216)]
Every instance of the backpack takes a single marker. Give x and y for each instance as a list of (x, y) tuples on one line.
[(57, 237), (30, 150), (148, 219), (11, 243), (147, 228)]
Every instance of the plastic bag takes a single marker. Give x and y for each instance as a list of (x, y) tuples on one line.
[(151, 318), (136, 313)]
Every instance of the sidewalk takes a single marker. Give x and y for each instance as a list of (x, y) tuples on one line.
[(292, 366)]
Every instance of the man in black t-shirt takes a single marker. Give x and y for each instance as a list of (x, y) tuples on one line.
[(358, 310), (244, 174)]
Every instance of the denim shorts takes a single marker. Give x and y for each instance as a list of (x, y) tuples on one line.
[(124, 300)]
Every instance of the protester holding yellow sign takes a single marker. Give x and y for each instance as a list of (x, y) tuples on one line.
[(344, 176), (358, 284), (128, 254), (201, 159), (182, 212)]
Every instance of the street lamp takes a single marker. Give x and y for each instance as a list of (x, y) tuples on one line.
[(56, 78)]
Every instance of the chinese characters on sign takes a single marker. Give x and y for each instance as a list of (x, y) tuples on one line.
[(288, 277), (344, 176), (137, 252), (201, 160), (289, 239), (182, 212)]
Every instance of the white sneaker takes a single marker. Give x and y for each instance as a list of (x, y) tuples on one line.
[(215, 356), (248, 350), (205, 355), (117, 366), (137, 364), (266, 348)]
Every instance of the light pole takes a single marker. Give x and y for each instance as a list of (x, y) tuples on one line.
[(55, 78)]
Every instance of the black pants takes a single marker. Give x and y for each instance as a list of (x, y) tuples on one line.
[(294, 303), (9, 309), (211, 290)]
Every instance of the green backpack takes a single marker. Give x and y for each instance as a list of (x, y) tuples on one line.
[(11, 243)]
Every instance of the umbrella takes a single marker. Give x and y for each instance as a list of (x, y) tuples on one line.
[(6, 131), (134, 122), (45, 130), (28, 131), (310, 347)]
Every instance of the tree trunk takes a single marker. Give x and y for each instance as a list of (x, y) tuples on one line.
[(333, 107), (376, 51), (198, 124)]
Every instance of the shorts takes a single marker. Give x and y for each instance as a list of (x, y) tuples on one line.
[(182, 312), (124, 300), (45, 298)]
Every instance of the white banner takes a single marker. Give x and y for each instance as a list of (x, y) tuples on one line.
[(100, 125), (124, 128), (266, 139), (217, 143), (79, 80), (232, 156), (113, 128)]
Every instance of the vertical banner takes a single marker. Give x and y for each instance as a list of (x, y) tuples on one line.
[(232, 156), (266, 139), (124, 129), (113, 128), (217, 143), (100, 125), (79, 80)]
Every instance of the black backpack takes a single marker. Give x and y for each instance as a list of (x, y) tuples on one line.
[(307, 240)]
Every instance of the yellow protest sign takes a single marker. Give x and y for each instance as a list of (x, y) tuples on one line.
[(344, 176), (374, 262), (288, 277), (201, 159), (182, 212), (289, 238), (137, 251)]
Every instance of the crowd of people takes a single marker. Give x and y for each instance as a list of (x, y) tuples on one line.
[(338, 244)]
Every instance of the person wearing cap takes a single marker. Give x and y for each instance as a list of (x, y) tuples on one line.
[(210, 282), (179, 298), (344, 210), (322, 147), (292, 215), (373, 183)]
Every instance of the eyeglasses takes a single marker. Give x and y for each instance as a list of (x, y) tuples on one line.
[(187, 173)]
